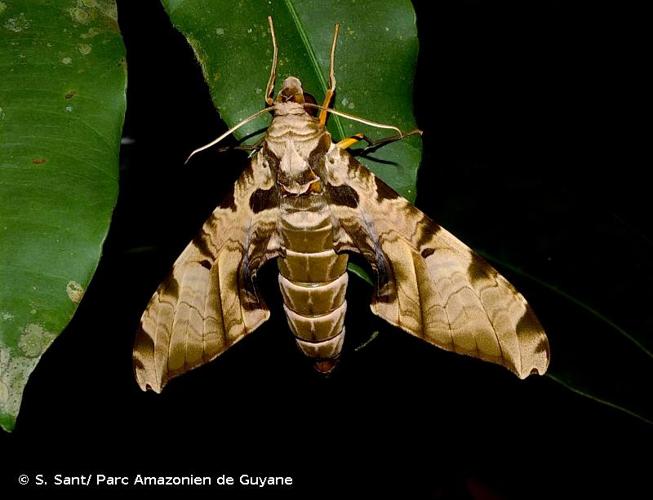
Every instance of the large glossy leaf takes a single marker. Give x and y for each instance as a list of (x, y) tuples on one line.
[(62, 103), (375, 64)]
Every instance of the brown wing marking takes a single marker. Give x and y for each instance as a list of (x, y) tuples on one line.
[(209, 302), (429, 283)]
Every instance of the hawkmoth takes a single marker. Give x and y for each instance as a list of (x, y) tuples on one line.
[(307, 202)]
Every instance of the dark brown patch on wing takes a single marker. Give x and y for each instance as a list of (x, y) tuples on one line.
[(542, 346), (271, 160), (172, 287), (529, 324), (201, 242), (355, 168), (263, 199), (479, 269), (342, 195), (316, 157), (247, 177), (205, 264), (427, 230), (228, 202), (427, 251), (383, 191)]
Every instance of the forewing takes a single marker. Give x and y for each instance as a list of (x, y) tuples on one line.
[(208, 302), (429, 283)]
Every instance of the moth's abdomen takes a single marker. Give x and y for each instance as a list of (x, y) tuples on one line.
[(313, 281)]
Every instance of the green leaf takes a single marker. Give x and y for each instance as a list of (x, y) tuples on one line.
[(361, 272), (62, 104), (375, 64)]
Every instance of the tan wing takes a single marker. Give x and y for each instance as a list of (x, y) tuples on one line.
[(430, 283), (209, 302)]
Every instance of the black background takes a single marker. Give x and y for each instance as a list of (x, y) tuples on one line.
[(532, 149)]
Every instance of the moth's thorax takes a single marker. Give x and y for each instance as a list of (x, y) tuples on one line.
[(291, 119), (295, 143)]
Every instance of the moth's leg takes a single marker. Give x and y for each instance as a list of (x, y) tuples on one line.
[(273, 69), (350, 141), (332, 79), (373, 144), (248, 148)]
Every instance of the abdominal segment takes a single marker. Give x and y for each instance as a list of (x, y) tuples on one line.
[(313, 281)]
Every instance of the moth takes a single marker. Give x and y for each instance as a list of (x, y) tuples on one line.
[(305, 201)]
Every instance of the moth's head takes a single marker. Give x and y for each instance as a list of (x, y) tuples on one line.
[(292, 91)]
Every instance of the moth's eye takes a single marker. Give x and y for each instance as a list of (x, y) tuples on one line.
[(308, 98)]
